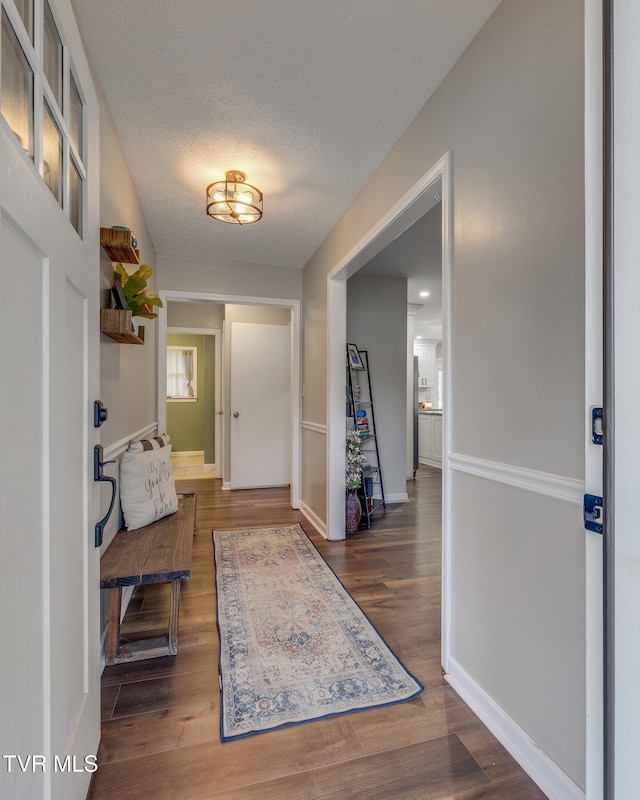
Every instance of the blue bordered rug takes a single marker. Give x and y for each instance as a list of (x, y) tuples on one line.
[(294, 644)]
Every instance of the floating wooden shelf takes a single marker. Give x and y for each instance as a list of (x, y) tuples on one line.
[(117, 324), (116, 244)]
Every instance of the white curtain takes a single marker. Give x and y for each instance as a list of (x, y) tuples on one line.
[(179, 373)]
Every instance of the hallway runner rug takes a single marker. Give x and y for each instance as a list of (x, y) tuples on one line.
[(294, 644)]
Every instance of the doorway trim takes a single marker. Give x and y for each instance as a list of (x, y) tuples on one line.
[(217, 400), (294, 306), (409, 208)]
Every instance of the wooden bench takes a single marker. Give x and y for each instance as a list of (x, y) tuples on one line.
[(158, 553)]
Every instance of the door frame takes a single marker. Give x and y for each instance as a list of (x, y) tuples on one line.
[(217, 400), (413, 205), (226, 299), (595, 599)]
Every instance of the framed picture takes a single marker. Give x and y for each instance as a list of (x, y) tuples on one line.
[(118, 294), (353, 357)]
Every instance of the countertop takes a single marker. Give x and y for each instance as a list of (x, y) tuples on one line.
[(431, 411)]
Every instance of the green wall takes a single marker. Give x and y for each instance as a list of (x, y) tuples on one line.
[(191, 425)]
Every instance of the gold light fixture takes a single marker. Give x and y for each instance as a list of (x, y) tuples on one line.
[(233, 200)]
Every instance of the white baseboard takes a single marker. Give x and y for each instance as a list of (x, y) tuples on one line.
[(396, 497), (314, 519), (210, 466), (226, 486), (540, 767), (430, 462), (188, 452)]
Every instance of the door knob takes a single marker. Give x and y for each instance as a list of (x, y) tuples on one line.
[(236, 413), (220, 413)]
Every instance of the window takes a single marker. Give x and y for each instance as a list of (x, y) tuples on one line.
[(52, 154), (75, 197), (182, 373), (75, 117), (17, 87), (36, 75), (52, 55), (25, 9)]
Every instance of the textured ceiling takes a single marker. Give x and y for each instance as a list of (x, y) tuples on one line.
[(306, 97)]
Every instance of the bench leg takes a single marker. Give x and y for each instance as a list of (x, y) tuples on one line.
[(113, 629), (174, 611)]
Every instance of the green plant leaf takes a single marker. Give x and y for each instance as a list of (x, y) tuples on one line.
[(120, 272), (152, 301), (134, 285), (145, 271)]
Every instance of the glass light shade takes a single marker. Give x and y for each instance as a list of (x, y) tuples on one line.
[(233, 200)]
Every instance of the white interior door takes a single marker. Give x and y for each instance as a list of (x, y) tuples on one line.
[(260, 413), (49, 567)]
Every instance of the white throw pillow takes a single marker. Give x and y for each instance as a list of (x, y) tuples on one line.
[(138, 445), (147, 487)]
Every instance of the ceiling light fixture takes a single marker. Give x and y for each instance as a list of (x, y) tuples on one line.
[(233, 200)]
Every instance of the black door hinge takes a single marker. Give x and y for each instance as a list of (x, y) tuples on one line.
[(593, 513)]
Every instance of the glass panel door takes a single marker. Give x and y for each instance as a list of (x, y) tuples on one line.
[(17, 87), (52, 154)]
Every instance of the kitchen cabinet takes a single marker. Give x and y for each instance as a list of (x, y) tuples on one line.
[(430, 439), (427, 373)]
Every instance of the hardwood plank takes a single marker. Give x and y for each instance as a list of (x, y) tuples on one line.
[(436, 713), (188, 659), (489, 754), (160, 694), (196, 771), (520, 788), (161, 717), (422, 771)]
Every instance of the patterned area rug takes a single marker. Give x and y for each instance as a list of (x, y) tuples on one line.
[(294, 644)]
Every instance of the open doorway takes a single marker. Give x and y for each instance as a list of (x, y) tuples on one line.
[(434, 188), (409, 269), (236, 308)]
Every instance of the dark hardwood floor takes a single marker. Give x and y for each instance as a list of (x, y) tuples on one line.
[(160, 729)]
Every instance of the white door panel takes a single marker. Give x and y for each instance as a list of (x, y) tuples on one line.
[(21, 506), (49, 566), (260, 405)]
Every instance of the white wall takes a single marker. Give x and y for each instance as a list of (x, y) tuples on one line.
[(228, 278), (128, 372), (511, 112), (371, 298), (194, 315)]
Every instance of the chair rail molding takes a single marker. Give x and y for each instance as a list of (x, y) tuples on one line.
[(559, 487), (115, 449)]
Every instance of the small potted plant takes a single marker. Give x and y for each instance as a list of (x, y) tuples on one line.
[(354, 461), (131, 292)]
